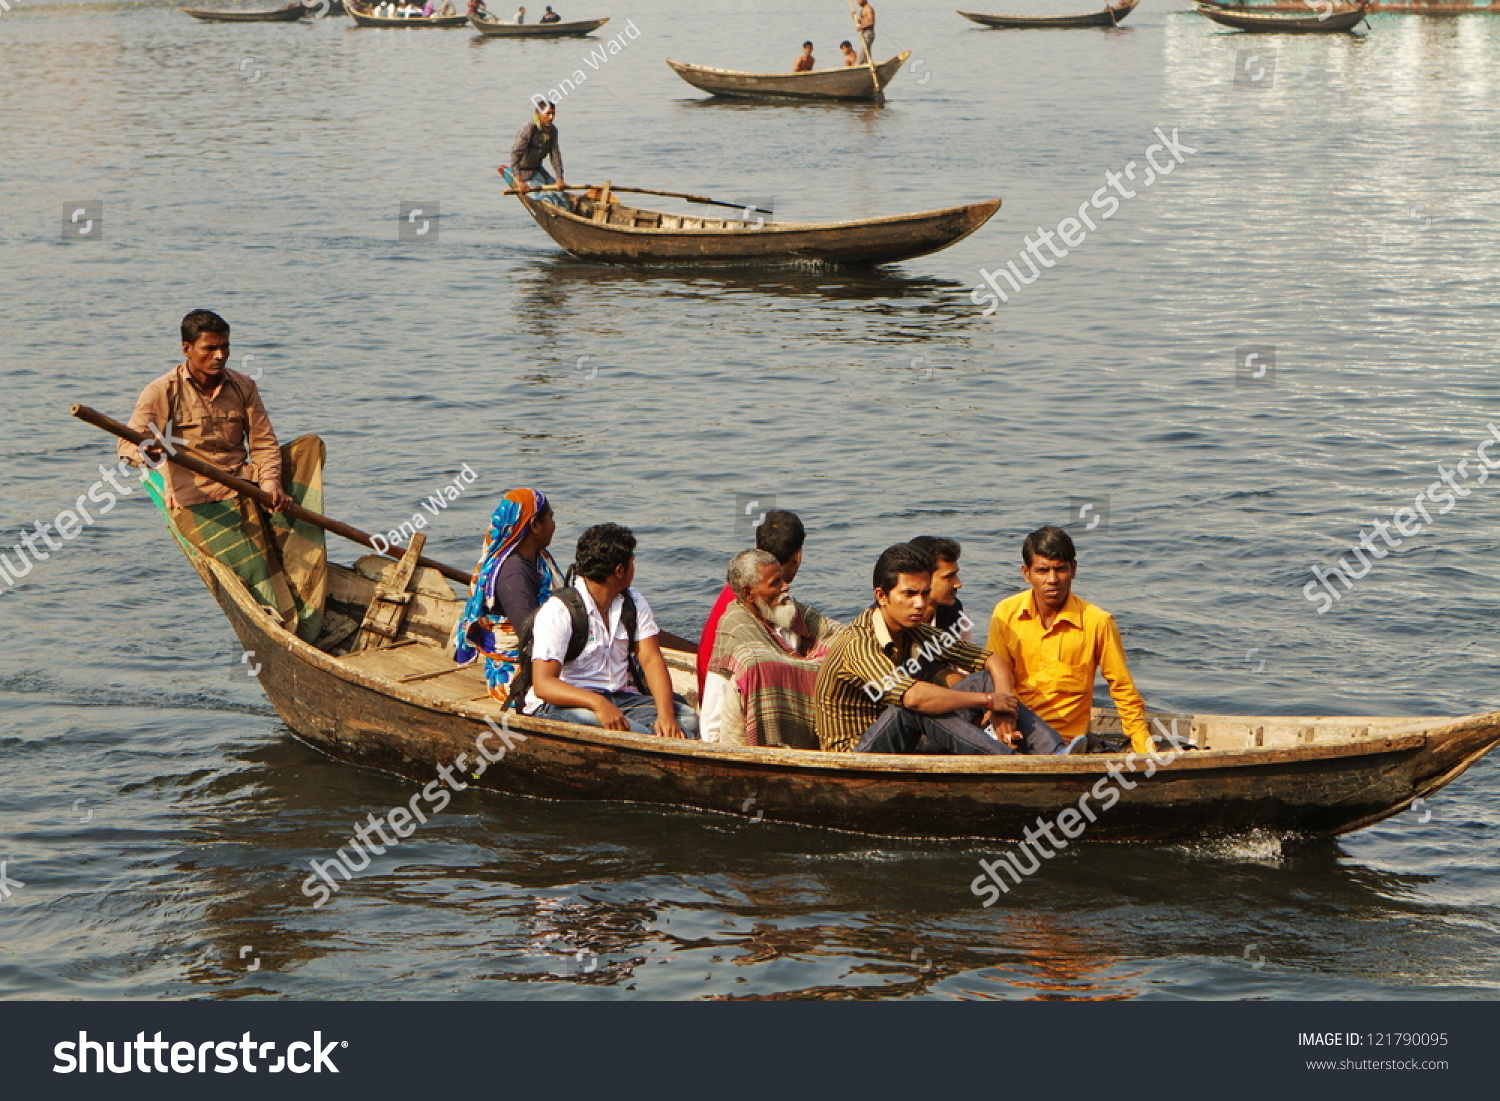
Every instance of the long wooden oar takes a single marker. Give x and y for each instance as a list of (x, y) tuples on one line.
[(645, 191), (199, 465)]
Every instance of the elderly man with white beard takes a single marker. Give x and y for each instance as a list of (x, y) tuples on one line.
[(759, 686)]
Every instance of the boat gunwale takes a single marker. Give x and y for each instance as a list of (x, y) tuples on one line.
[(1413, 734)]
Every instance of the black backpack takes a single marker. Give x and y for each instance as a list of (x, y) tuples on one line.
[(578, 637)]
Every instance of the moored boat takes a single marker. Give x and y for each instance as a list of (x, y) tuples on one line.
[(599, 227), (1333, 21), (854, 82), (1109, 17), (364, 17), (497, 28), (289, 14)]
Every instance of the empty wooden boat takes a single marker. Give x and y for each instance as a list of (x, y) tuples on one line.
[(599, 227), (854, 82), (496, 28), (365, 17), (1109, 17), (1334, 21), (289, 14)]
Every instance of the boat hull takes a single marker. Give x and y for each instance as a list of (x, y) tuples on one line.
[(1109, 17), (1275, 23), (289, 14), (862, 243), (364, 19), (855, 83), (410, 730), (496, 29)]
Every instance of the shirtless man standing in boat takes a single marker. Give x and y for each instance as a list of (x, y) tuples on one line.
[(1055, 643), (864, 20), (535, 142)]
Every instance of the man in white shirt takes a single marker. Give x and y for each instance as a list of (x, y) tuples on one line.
[(599, 686)]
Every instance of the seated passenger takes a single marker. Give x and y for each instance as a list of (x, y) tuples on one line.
[(551, 16), (875, 694), (804, 62), (478, 10), (595, 657), (780, 533), (515, 576), (1055, 643), (946, 612), (521, 15), (759, 688), (850, 57)]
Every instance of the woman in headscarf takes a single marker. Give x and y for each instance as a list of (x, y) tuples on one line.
[(514, 577)]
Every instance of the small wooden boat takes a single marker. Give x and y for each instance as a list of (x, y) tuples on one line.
[(1265, 22), (854, 82), (496, 28), (379, 688), (601, 228), (405, 708), (364, 17), (1109, 17), (289, 14)]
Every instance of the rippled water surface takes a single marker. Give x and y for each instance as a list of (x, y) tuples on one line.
[(1339, 210)]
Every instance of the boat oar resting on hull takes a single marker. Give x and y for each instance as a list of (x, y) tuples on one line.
[(403, 706), (596, 227)]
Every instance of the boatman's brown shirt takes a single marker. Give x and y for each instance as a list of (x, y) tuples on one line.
[(221, 426), (534, 145), (866, 654)]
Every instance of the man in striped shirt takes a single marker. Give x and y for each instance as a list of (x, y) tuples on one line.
[(875, 692)]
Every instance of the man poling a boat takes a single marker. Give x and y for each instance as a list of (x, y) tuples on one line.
[(217, 412), (536, 142), (864, 23)]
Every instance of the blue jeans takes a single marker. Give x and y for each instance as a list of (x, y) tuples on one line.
[(537, 179), (902, 730), (639, 711)]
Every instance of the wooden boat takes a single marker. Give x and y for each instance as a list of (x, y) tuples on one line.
[(496, 28), (601, 228), (379, 688), (405, 708), (365, 18), (1109, 17), (854, 82), (1264, 22), (289, 14)]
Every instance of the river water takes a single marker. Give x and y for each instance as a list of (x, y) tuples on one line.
[(1336, 213)]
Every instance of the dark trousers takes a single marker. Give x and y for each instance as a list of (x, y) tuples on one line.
[(902, 730)]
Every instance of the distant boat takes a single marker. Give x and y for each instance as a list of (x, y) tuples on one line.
[(1262, 22), (289, 14), (1109, 17), (497, 28), (850, 82), (364, 18), (601, 228)]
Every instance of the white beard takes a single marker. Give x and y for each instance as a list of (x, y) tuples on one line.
[(783, 615)]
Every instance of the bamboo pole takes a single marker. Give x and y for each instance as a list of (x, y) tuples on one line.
[(199, 465)]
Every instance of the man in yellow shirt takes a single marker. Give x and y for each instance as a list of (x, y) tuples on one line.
[(1056, 642)]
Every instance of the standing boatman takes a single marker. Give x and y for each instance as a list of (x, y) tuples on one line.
[(864, 21), (535, 142), (217, 412)]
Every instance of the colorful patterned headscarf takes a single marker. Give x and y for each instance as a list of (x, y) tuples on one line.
[(474, 637)]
